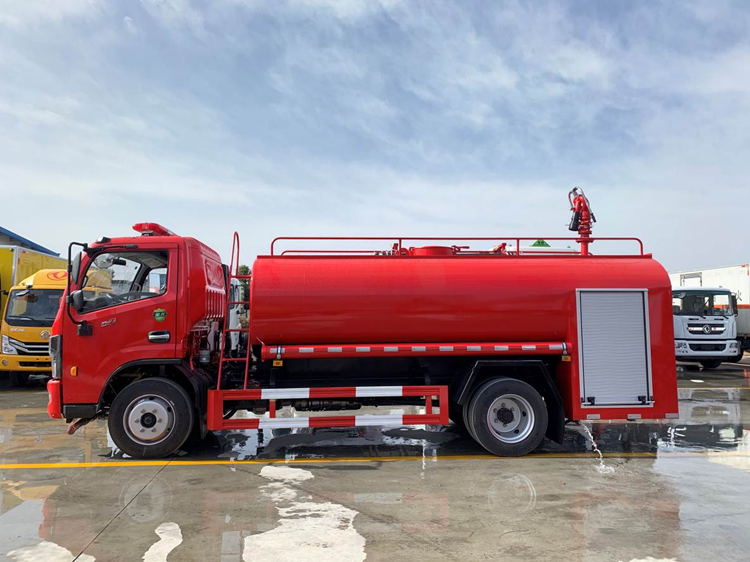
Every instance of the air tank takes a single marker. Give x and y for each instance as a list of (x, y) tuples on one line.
[(436, 296)]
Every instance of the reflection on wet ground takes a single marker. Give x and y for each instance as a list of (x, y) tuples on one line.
[(676, 490)]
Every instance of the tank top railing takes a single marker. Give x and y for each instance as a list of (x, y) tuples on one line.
[(401, 246)]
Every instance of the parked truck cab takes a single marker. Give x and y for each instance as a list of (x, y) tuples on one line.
[(27, 319), (705, 327), (485, 338)]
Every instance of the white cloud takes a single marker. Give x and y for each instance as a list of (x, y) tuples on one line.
[(22, 13), (328, 117), (129, 25)]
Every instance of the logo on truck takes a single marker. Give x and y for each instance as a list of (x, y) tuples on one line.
[(160, 314), (706, 329), (44, 334), (57, 275)]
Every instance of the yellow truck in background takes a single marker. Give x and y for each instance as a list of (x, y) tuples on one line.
[(31, 284), (18, 263)]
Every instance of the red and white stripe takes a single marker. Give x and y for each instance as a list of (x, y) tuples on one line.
[(333, 421), (330, 392), (218, 398), (411, 349)]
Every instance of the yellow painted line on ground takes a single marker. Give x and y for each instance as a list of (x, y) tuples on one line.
[(125, 463)]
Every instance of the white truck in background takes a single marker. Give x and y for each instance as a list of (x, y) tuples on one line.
[(711, 314)]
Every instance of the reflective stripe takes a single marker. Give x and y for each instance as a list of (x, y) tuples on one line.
[(361, 349), (275, 393), (673, 416), (593, 417), (364, 421), (306, 349), (269, 423), (370, 391), (390, 349), (418, 348), (473, 348), (335, 350), (501, 348), (446, 348), (556, 347), (528, 347)]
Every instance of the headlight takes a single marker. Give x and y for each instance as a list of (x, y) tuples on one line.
[(680, 345), (733, 345), (55, 351), (7, 348)]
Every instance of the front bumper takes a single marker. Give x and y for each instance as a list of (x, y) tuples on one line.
[(54, 406), (27, 363), (696, 349)]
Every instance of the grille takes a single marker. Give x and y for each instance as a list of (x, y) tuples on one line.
[(707, 346), (698, 328), (36, 364), (30, 348)]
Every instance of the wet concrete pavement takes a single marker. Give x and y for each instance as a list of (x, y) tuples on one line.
[(669, 491)]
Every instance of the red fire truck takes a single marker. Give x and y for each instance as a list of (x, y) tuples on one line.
[(510, 342)]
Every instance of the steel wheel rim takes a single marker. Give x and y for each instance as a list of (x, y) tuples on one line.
[(510, 418), (149, 420)]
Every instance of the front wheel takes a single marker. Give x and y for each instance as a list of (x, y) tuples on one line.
[(508, 417), (151, 418), (19, 380), (711, 363)]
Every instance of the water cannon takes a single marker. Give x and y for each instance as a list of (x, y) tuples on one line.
[(583, 218)]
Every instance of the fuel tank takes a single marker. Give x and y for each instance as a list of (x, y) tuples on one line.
[(436, 298)]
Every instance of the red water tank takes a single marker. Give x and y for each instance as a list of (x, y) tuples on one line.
[(380, 299)]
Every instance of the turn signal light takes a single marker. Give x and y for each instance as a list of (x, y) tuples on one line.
[(74, 371)]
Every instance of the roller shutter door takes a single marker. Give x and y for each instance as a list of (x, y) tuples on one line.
[(615, 364)]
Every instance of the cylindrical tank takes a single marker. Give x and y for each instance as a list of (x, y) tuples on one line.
[(433, 298)]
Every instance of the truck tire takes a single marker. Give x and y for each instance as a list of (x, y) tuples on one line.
[(737, 358), (508, 417), (711, 363), (151, 418), (19, 380)]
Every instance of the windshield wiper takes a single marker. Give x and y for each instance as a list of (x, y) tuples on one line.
[(20, 317)]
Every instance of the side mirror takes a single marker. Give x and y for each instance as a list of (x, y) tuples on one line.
[(76, 300), (734, 305)]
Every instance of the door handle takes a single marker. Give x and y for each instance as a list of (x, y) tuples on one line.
[(159, 336)]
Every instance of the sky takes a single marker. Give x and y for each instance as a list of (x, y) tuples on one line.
[(379, 118)]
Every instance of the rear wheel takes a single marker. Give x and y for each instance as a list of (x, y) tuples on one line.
[(151, 418), (711, 363), (508, 417)]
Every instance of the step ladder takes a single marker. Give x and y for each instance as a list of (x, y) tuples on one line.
[(234, 266)]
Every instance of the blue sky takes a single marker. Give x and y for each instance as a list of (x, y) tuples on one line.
[(366, 117)]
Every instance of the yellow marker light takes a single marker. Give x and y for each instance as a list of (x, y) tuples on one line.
[(74, 371), (566, 358), (278, 363)]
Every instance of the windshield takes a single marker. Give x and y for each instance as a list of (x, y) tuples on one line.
[(702, 303), (32, 307)]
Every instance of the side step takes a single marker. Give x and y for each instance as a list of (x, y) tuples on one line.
[(217, 399)]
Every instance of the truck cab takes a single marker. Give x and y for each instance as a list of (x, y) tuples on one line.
[(705, 326), (27, 321)]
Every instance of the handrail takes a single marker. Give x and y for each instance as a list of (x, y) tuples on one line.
[(398, 242)]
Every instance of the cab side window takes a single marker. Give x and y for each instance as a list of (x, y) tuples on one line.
[(120, 277)]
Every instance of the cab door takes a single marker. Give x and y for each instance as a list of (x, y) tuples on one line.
[(130, 308)]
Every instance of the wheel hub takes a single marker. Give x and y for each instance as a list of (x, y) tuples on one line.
[(511, 418), (149, 419), (504, 415)]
